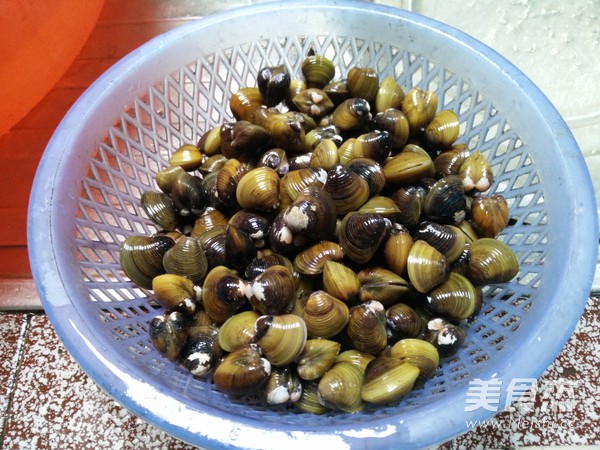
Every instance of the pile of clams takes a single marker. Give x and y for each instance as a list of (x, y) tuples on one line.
[(326, 248)]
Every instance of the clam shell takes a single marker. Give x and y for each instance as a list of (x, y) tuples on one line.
[(340, 387), (387, 380), (281, 338), (141, 258), (419, 353), (168, 333), (239, 247), (402, 322), (395, 123), (295, 181), (375, 145), (276, 159), (446, 337), (318, 357), (210, 141), (201, 352), (207, 220), (228, 178), (371, 171), (395, 251), (312, 260), (317, 70), (351, 114), (166, 178), (409, 200), (419, 107), (213, 244), (489, 215), (188, 194), (223, 293), (361, 234), (309, 399), (325, 155), (244, 102), (476, 173), (312, 212), (286, 132), (456, 298), (340, 281), (243, 371), (273, 291), (187, 156), (450, 161), (443, 130), (426, 267), (273, 84), (283, 386), (160, 209), (445, 201), (355, 357), (491, 261), (408, 167), (389, 95), (447, 239), (324, 315), (237, 331), (381, 285), (186, 258), (261, 263), (259, 189), (367, 327), (363, 82), (314, 102)]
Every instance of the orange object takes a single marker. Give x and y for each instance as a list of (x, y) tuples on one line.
[(40, 40)]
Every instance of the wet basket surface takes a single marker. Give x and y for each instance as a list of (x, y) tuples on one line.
[(105, 153)]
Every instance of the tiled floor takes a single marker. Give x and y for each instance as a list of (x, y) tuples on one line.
[(47, 402)]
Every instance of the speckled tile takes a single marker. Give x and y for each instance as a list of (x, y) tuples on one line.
[(57, 406), (12, 328), (566, 408)]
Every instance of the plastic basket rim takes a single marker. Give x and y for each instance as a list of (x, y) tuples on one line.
[(70, 326)]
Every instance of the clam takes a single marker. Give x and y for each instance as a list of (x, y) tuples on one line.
[(456, 298), (340, 281), (283, 386), (337, 90), (382, 285), (409, 166), (187, 156), (371, 171), (446, 337), (445, 201), (351, 114), (449, 161), (210, 141), (201, 351), (141, 258), (223, 293), (296, 86), (491, 261), (347, 190), (239, 247), (160, 209), (244, 102), (208, 220), (419, 107), (340, 387), (259, 189), (168, 333), (476, 173), (409, 200), (324, 315), (367, 327), (243, 371), (312, 212), (272, 292), (213, 243), (402, 322), (312, 260), (295, 181), (281, 238), (395, 123), (175, 292), (363, 82), (228, 179), (276, 159), (419, 353), (286, 132), (346, 150), (314, 102), (186, 258), (375, 145), (237, 331), (387, 380), (260, 264), (281, 338), (320, 134), (318, 357), (382, 206), (489, 214), (443, 130), (242, 137), (389, 95), (361, 234), (426, 267), (309, 399), (447, 239), (396, 249), (209, 186), (273, 84), (166, 178), (188, 194), (317, 70), (325, 155), (355, 357)]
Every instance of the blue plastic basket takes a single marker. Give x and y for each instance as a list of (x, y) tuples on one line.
[(85, 202)]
